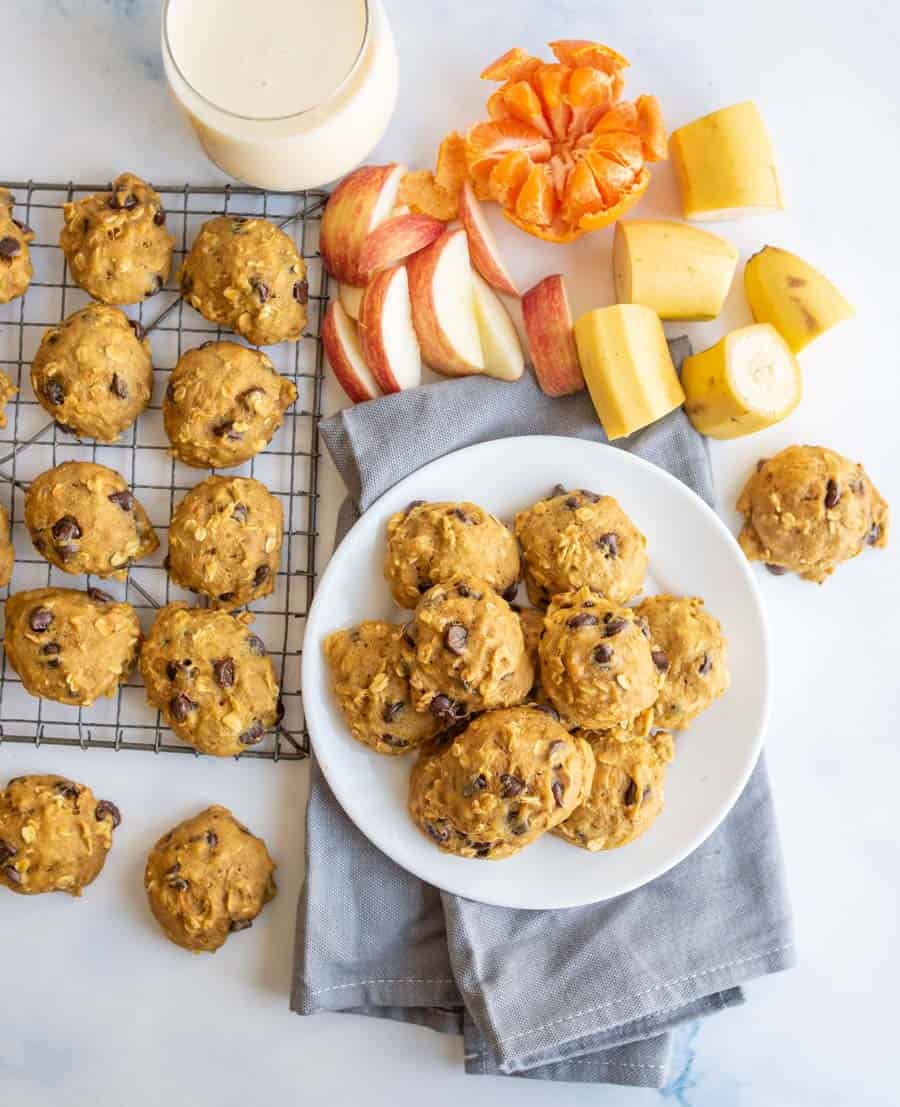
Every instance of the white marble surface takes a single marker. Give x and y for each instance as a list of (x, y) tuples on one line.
[(97, 1009)]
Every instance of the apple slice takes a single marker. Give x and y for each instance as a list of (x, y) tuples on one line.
[(548, 325), (443, 307), (350, 297), (482, 243), (394, 240), (360, 203), (386, 333), (503, 357), (340, 338)]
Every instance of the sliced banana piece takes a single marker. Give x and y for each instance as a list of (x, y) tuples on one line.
[(746, 382)]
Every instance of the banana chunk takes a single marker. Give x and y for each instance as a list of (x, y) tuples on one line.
[(746, 382), (679, 271), (725, 164), (627, 366), (795, 298)]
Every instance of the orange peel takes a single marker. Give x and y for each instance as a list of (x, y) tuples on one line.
[(437, 194)]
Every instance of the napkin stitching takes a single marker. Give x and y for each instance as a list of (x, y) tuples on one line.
[(381, 980), (648, 991)]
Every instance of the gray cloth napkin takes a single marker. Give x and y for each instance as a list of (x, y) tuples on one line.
[(588, 994)]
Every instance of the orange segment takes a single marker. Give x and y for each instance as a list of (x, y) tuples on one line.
[(523, 104), (511, 66), (620, 117), (613, 179), (577, 52), (496, 107), (536, 202), (627, 149), (487, 141), (604, 218), (552, 85), (651, 127), (582, 196), (507, 177), (590, 97)]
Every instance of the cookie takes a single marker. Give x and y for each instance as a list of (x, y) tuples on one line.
[(69, 646), (83, 519), (7, 391), (579, 539), (207, 878), (93, 373), (7, 550), (224, 404), (807, 510), (246, 274), (493, 789), (626, 795), (16, 269), (689, 649), (54, 835), (370, 681), (116, 242), (211, 678), (225, 541), (466, 651), (597, 666), (430, 543)]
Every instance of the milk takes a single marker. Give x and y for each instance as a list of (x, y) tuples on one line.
[(283, 94)]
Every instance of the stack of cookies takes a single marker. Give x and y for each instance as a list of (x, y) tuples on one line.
[(557, 717)]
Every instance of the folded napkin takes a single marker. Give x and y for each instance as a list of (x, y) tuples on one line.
[(588, 994)]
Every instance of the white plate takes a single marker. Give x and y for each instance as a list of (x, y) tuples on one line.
[(691, 553)]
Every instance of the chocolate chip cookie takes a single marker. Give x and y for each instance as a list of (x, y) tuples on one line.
[(689, 650), (83, 519), (93, 372), (207, 878), (430, 543), (370, 681), (625, 797), (211, 678), (54, 835), (116, 242), (246, 274), (807, 510), (466, 651), (224, 404), (579, 539), (225, 541), (597, 665), (7, 550), (15, 259), (493, 789), (69, 646)]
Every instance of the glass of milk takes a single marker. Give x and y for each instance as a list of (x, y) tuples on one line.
[(283, 94)]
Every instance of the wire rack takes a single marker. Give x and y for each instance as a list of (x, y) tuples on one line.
[(31, 443)]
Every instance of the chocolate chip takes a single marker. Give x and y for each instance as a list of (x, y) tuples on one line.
[(643, 626), (660, 660), (256, 645), (776, 570), (23, 227), (51, 649), (509, 594), (9, 247), (392, 710), (631, 794), (516, 825), (478, 784), (181, 707), (227, 597), (614, 626), (248, 393), (178, 883), (582, 619), (440, 834), (239, 513), (53, 663), (423, 586), (602, 654), (511, 785), (252, 734), (610, 543), (572, 503), (547, 709), (465, 519), (12, 875), (118, 387), (40, 619), (68, 788), (106, 809), (262, 574), (412, 505), (237, 925), (455, 638), (874, 535), (223, 672), (557, 789), (159, 217), (705, 665), (394, 742), (226, 430), (301, 292), (262, 290), (138, 327), (54, 393), (124, 499), (832, 494), (591, 497), (7, 850), (212, 839), (155, 287), (442, 707), (170, 391), (557, 490)]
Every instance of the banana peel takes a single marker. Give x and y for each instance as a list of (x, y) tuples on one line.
[(681, 272), (748, 381), (627, 366), (795, 298), (725, 164)]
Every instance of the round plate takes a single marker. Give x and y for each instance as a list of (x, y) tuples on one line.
[(691, 553)]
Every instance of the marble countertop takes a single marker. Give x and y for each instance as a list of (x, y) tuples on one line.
[(97, 1009)]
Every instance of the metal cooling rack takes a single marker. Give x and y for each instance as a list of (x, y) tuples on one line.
[(30, 443)]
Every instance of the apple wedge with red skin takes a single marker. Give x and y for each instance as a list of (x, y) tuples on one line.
[(482, 243), (551, 340), (386, 333), (503, 357), (396, 239), (443, 309), (362, 201), (340, 339)]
